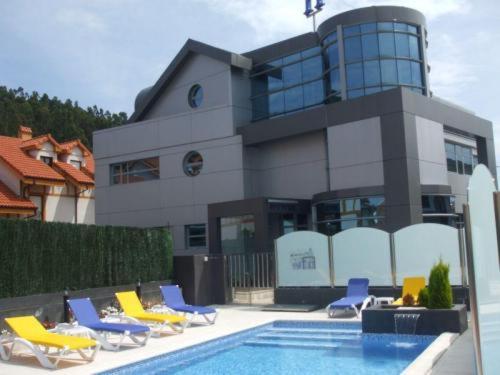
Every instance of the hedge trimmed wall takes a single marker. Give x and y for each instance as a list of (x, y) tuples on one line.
[(40, 257)]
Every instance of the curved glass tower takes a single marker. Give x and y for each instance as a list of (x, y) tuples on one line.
[(360, 52)]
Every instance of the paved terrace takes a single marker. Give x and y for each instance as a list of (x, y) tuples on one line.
[(232, 318)]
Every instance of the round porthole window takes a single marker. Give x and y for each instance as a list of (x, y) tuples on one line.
[(195, 96), (192, 164)]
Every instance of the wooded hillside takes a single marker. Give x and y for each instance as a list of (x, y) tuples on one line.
[(64, 120)]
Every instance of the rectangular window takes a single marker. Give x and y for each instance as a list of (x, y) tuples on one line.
[(333, 55), (468, 160), (416, 74), (402, 46), (196, 236), (389, 72), (292, 75), (354, 75), (314, 93), (451, 158), (47, 160), (335, 80), (294, 99), (352, 48), (404, 72), (135, 171), (414, 48), (386, 44), (372, 73), (276, 103), (237, 234), (370, 46), (76, 163), (275, 80), (312, 68)]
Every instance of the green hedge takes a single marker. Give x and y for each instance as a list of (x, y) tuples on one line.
[(40, 257)]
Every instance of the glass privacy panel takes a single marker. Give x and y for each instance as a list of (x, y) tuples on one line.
[(419, 247), (484, 274), (303, 260), (362, 252)]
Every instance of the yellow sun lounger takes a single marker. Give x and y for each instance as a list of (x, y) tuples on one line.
[(411, 285), (132, 308), (32, 335)]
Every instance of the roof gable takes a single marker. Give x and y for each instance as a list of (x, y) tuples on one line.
[(147, 98)]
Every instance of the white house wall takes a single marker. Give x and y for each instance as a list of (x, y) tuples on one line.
[(9, 178)]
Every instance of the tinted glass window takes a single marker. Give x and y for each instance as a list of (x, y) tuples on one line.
[(195, 235), (195, 96), (275, 80), (459, 156), (386, 44), (333, 55), (351, 30), (313, 93), (404, 72), (312, 68), (260, 107), (400, 26), (368, 27), (402, 46), (192, 163), (276, 103), (292, 75), (451, 159), (389, 71), (294, 99), (414, 47), (310, 52), (352, 94), (354, 75), (372, 73), (385, 26), (291, 58), (468, 161), (416, 74), (330, 38), (370, 46), (352, 48), (335, 80), (412, 29), (372, 90)]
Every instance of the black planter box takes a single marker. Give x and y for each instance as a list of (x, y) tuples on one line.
[(431, 322)]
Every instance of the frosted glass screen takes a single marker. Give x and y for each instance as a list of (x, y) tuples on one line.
[(303, 259), (420, 246), (486, 268), (362, 252)]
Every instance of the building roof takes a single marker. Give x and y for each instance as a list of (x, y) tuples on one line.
[(11, 152), (76, 176), (37, 143), (190, 47), (66, 147), (8, 199)]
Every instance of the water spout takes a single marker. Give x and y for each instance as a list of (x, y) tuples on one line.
[(405, 324)]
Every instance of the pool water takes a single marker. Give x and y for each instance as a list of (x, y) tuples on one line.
[(286, 347)]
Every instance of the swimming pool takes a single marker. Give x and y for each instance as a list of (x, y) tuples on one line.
[(290, 347)]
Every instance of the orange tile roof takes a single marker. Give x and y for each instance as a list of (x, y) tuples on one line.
[(90, 164), (28, 167), (8, 199), (74, 175), (69, 145), (37, 142)]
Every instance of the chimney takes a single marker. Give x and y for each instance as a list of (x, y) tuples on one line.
[(25, 133)]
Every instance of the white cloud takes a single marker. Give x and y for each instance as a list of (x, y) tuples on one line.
[(273, 18)]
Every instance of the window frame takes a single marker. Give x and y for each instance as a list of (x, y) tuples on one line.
[(188, 236), (124, 171)]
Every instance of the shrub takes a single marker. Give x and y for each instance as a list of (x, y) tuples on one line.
[(423, 297), (408, 300), (440, 294)]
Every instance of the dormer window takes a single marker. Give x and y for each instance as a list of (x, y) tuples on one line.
[(76, 163), (47, 160)]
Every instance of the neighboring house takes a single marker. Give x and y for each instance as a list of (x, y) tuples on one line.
[(46, 180), (326, 131)]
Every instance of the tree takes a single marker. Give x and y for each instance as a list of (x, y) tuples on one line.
[(64, 120)]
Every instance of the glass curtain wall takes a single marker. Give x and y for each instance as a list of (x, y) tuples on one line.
[(381, 56), (288, 84), (338, 215)]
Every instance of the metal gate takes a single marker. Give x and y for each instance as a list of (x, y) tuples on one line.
[(252, 271)]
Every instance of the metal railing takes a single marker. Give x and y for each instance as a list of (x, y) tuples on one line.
[(250, 270)]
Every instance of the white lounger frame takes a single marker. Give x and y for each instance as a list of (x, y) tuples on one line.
[(156, 328), (368, 301), (102, 337), (164, 309), (41, 352)]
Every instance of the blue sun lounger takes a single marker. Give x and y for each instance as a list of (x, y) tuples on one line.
[(173, 300), (357, 295), (99, 330)]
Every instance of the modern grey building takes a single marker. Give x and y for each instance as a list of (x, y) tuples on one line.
[(324, 131)]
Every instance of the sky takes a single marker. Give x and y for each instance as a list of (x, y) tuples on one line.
[(104, 52)]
